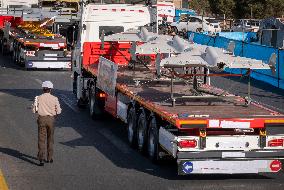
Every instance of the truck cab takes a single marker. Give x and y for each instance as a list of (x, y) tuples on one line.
[(107, 18)]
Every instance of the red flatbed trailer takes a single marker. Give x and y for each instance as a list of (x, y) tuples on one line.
[(223, 130)]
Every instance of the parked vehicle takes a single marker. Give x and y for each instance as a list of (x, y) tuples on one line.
[(62, 6), (246, 25), (195, 24), (165, 116)]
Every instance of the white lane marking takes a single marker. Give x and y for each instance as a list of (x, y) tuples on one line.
[(69, 103), (38, 81), (117, 142)]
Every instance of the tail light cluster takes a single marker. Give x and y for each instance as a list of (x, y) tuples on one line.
[(30, 53), (276, 143), (102, 95), (187, 143)]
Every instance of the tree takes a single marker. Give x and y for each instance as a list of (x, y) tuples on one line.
[(200, 6), (221, 7), (239, 8)]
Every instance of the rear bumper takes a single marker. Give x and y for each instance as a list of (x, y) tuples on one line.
[(186, 167), (48, 64), (231, 154), (229, 162)]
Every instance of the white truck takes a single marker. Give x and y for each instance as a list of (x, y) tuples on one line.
[(206, 129), (166, 11)]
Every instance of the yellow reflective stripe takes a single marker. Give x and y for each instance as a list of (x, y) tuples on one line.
[(274, 121), (183, 122), (3, 184)]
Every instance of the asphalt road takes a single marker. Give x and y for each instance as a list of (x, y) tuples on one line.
[(95, 155)]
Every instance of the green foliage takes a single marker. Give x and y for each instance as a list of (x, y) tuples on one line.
[(240, 8)]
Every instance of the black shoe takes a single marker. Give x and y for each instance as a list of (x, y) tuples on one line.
[(41, 163), (49, 161)]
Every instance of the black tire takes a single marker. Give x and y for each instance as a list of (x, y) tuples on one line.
[(1, 44), (142, 130), (132, 127), (75, 83), (81, 103), (95, 109), (15, 56), (3, 50), (153, 147), (175, 30)]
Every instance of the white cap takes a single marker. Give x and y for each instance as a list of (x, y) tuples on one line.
[(47, 84)]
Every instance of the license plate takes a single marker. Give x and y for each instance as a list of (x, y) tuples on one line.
[(234, 124), (233, 155), (50, 55), (49, 58)]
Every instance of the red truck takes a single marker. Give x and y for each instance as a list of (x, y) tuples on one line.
[(32, 45)]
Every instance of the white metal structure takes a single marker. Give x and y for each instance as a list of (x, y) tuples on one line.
[(190, 54)]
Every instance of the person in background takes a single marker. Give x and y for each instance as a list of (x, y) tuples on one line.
[(47, 107)]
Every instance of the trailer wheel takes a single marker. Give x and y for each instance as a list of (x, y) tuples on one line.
[(142, 132), (3, 49), (15, 56), (81, 103), (94, 107), (153, 141), (131, 127)]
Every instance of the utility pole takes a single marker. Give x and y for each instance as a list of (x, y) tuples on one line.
[(250, 15)]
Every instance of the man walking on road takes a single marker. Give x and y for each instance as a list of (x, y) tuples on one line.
[(47, 107)]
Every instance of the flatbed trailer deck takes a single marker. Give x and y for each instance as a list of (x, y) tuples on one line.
[(155, 95)]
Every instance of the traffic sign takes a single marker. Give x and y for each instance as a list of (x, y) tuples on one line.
[(187, 167)]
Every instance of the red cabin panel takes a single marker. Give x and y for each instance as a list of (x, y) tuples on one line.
[(116, 52)]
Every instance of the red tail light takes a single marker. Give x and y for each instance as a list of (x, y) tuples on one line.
[(187, 144), (102, 95), (275, 142)]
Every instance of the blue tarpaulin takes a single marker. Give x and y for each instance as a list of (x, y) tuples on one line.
[(249, 50), (241, 36)]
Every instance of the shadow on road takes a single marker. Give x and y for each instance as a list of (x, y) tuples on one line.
[(19, 155), (92, 133)]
